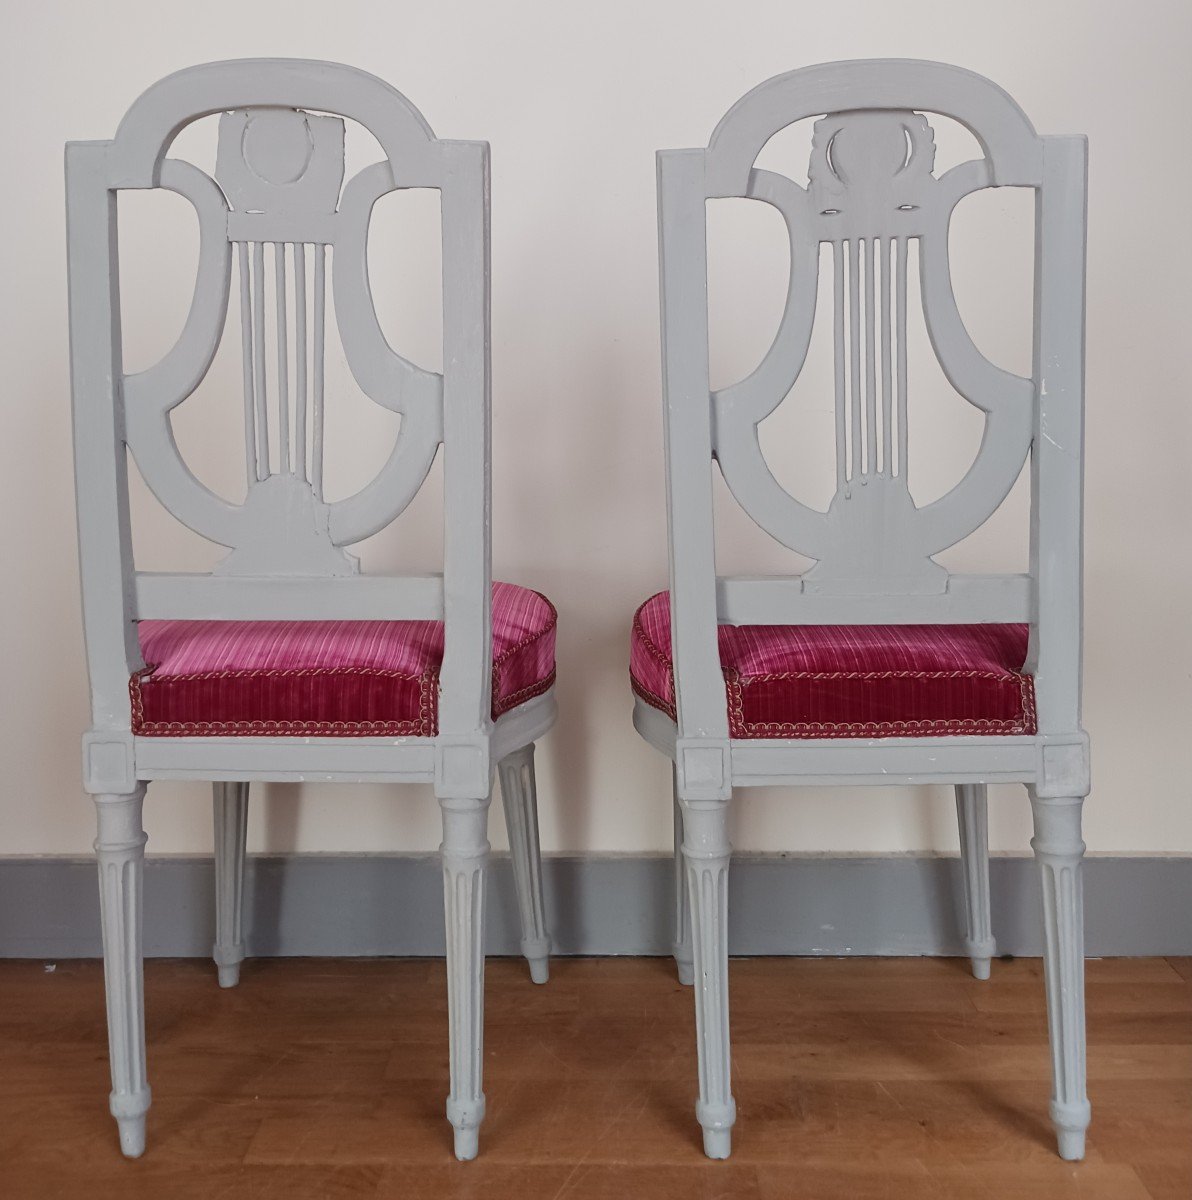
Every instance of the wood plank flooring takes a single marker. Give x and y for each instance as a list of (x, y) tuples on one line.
[(864, 1079)]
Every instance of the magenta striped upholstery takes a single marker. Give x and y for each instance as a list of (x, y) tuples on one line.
[(326, 678), (816, 681)]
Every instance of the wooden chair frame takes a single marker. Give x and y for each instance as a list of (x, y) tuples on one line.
[(279, 170), (873, 547)]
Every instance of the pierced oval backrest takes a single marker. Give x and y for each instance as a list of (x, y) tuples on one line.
[(873, 198), (277, 210)]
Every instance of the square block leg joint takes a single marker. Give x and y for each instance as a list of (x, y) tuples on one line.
[(109, 765), (1063, 765), (703, 769), (463, 767)]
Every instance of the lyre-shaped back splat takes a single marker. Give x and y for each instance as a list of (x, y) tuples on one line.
[(281, 171), (868, 176), (277, 205), (873, 198)]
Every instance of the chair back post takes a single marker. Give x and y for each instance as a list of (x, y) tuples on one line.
[(699, 685), (1057, 465), (465, 705), (101, 465)]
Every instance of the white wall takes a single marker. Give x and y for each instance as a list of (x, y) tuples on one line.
[(575, 99)]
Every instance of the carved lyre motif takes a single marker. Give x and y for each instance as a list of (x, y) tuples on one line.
[(871, 193), (869, 176), (281, 170), (277, 204)]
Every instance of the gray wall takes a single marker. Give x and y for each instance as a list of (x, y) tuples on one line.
[(781, 904)]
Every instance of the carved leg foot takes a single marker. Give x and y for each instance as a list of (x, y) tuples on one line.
[(132, 1135)]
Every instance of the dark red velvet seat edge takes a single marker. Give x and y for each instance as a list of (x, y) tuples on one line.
[(851, 681), (327, 678)]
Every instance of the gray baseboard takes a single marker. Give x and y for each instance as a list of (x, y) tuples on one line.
[(781, 904)]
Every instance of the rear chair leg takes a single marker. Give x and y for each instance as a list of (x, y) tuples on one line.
[(972, 814), (681, 943), (120, 850), (519, 794), (231, 832)]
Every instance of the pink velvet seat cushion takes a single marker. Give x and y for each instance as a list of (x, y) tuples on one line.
[(821, 681), (326, 678)]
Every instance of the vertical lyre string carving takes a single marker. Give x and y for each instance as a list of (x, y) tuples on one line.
[(252, 461), (282, 173), (320, 323), (888, 465), (873, 467), (299, 450), (261, 399), (854, 297), (869, 359), (900, 250), (842, 474), (283, 382), (300, 373), (867, 175)]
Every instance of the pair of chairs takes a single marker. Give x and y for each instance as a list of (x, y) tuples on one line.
[(285, 663)]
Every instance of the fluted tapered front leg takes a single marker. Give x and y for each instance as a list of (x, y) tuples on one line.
[(231, 832), (681, 941), (1059, 849), (519, 793), (972, 814), (120, 850), (706, 851), (465, 861)]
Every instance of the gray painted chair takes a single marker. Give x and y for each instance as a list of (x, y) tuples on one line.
[(871, 193), (278, 180)]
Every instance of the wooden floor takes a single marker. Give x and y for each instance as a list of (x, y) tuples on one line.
[(859, 1078)]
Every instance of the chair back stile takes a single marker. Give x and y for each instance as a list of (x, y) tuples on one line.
[(279, 215), (874, 201)]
